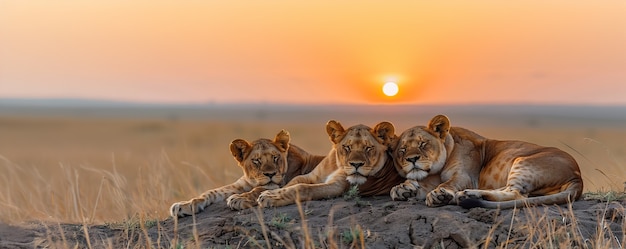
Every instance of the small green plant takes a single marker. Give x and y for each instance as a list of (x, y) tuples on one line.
[(280, 221), (151, 223), (352, 193), (352, 235), (606, 196), (132, 224)]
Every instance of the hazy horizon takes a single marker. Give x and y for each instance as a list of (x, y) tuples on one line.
[(512, 115), (69, 101)]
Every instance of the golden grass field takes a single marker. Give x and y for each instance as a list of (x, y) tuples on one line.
[(89, 168)]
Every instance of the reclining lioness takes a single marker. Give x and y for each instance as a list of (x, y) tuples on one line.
[(460, 166), (359, 156), (266, 164)]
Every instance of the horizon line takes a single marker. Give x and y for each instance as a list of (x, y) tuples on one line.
[(103, 101)]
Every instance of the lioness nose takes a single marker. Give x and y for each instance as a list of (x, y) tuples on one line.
[(413, 159), (356, 165), (270, 175)]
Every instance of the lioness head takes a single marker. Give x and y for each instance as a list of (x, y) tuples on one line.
[(420, 151), (361, 151), (264, 161)]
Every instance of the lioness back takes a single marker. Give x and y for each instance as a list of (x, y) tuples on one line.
[(300, 162)]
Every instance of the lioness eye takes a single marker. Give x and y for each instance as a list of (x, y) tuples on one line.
[(256, 161), (402, 150), (275, 159), (346, 148), (368, 149)]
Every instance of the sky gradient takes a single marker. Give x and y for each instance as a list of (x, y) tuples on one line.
[(315, 52)]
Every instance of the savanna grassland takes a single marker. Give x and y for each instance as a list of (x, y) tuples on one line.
[(105, 177)]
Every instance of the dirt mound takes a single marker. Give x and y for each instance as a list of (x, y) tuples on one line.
[(377, 222)]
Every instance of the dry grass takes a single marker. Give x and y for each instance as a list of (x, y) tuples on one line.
[(544, 231), (91, 170), (127, 172)]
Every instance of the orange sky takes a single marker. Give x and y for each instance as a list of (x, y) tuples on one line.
[(439, 52)]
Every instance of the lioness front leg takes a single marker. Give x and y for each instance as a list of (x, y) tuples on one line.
[(244, 200), (308, 179), (440, 196), (302, 192), (195, 205), (418, 189), (502, 194), (279, 197), (405, 190), (190, 207), (468, 194)]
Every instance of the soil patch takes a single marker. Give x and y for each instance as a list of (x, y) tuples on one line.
[(376, 222)]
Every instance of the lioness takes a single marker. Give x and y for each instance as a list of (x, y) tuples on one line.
[(471, 170), (359, 156), (267, 164)]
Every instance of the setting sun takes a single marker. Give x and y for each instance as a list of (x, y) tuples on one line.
[(390, 89)]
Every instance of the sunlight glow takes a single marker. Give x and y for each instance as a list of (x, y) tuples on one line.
[(390, 89)]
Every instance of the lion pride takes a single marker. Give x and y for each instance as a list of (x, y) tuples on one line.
[(446, 165)]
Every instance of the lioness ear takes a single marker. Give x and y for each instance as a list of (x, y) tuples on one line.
[(385, 131), (335, 131), (239, 148), (282, 139), (440, 124)]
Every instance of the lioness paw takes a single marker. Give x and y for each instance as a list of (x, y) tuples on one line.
[(271, 198), (404, 191), (439, 197), (266, 198), (186, 208), (467, 194), (240, 201)]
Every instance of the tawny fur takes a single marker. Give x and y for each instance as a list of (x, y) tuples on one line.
[(266, 164), (359, 156), (447, 165)]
